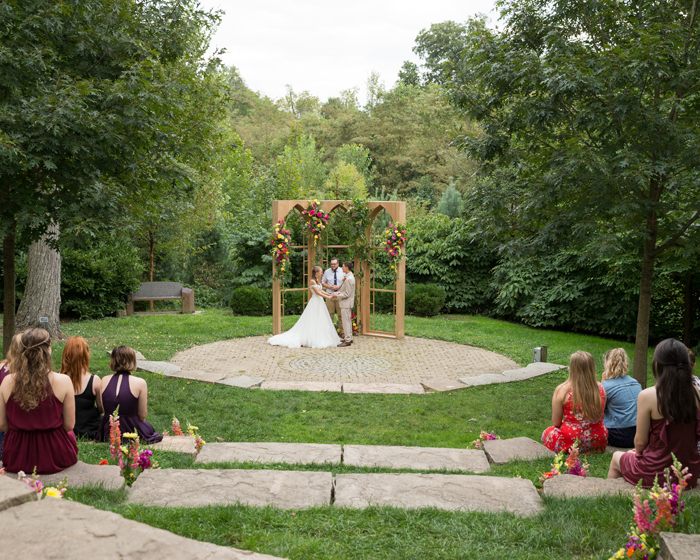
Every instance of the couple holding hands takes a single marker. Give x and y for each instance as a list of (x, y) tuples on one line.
[(315, 328)]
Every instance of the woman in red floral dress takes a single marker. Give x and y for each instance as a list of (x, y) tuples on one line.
[(577, 409)]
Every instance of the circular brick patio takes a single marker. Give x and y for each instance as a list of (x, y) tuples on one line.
[(369, 360)]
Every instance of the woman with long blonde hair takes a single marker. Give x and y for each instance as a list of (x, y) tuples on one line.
[(577, 409), (37, 410), (75, 363), (314, 329)]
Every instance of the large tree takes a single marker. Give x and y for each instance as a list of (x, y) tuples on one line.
[(589, 118), (92, 93)]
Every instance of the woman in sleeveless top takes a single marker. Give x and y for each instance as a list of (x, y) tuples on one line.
[(128, 393), (5, 370), (75, 364), (668, 422), (315, 328), (37, 410), (577, 409)]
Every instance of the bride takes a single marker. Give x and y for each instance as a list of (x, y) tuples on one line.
[(314, 328)]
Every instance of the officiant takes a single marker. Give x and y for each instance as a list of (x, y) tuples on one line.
[(332, 281)]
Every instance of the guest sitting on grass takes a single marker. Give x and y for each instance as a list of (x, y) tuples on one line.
[(696, 379), (37, 410), (577, 409), (5, 370), (621, 392), (128, 393), (668, 422), (75, 364)]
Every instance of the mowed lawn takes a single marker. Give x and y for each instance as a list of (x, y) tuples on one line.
[(583, 528)]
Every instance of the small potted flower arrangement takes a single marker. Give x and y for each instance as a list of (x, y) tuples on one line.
[(394, 243), (280, 242), (316, 221)]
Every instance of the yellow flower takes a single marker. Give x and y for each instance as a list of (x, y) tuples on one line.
[(282, 269), (315, 201), (53, 492), (279, 236), (315, 236), (280, 245), (132, 435)]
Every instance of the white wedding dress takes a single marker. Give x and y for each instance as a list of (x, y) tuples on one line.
[(314, 329)]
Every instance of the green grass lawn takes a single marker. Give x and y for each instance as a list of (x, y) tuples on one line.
[(567, 529)]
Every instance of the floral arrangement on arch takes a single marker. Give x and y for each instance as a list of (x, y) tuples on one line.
[(39, 487), (573, 464), (280, 242), (316, 221), (394, 243), (191, 432), (124, 449), (668, 514), (483, 436)]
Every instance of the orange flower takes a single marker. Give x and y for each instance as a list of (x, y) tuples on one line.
[(103, 462)]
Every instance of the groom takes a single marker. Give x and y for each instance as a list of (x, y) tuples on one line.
[(346, 299)]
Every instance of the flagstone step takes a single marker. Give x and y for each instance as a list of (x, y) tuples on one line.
[(82, 474), (528, 372), (443, 491), (177, 444), (316, 386), (270, 452), (14, 493), (203, 487), (384, 388), (63, 530), (416, 458), (502, 451), (677, 546), (572, 486)]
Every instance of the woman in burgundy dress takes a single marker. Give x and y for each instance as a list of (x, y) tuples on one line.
[(5, 370), (128, 393), (668, 422), (37, 410)]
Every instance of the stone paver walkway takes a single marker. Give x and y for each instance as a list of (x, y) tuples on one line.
[(369, 360)]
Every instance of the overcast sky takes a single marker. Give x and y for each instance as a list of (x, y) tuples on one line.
[(326, 47)]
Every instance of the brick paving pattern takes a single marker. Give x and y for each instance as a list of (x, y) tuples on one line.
[(368, 360)]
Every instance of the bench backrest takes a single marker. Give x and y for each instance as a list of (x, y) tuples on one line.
[(159, 289)]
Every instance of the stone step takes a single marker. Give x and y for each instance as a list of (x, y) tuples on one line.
[(270, 452), (443, 491), (415, 458), (14, 493), (177, 444), (383, 388), (202, 487), (528, 372), (316, 386), (82, 474), (63, 530), (571, 486), (501, 451), (677, 546)]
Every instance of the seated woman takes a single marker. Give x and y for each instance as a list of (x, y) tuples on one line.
[(577, 409), (37, 410), (75, 364), (668, 422), (5, 370), (696, 379), (128, 393), (621, 392)]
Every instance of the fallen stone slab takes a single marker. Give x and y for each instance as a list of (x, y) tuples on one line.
[(203, 487), (442, 385), (270, 452), (443, 491), (534, 369), (82, 474), (571, 486), (383, 388), (197, 375), (501, 451), (164, 368), (176, 444), (487, 379), (242, 381), (14, 493), (677, 546), (319, 386), (416, 458), (65, 530)]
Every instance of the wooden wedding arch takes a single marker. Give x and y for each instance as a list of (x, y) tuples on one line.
[(364, 269)]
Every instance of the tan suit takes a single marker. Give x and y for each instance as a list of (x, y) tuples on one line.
[(333, 306), (346, 300)]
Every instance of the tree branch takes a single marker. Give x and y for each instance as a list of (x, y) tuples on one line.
[(661, 248)]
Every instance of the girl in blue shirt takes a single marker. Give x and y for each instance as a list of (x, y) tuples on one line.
[(621, 404)]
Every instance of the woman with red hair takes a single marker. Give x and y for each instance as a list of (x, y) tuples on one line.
[(75, 364)]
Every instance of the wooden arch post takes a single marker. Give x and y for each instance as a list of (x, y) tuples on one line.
[(364, 290)]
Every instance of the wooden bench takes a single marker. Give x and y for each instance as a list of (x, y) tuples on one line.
[(159, 291)]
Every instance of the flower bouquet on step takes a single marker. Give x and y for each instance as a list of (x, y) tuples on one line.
[(483, 436), (41, 489), (124, 449), (573, 464), (191, 432), (667, 514)]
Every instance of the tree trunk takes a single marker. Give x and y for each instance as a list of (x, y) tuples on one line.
[(42, 296), (641, 343), (8, 270), (688, 311)]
